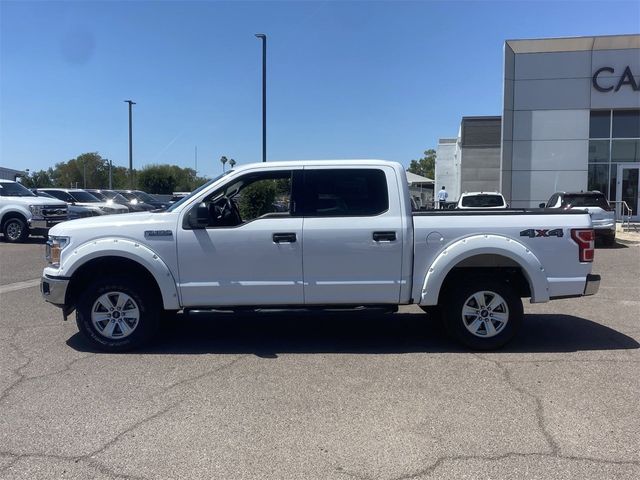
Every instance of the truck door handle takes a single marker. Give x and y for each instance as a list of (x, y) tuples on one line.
[(284, 238), (384, 236)]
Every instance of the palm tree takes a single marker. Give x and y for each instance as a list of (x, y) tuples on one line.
[(232, 163), (223, 160)]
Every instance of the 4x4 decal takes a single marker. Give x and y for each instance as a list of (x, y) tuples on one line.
[(535, 232)]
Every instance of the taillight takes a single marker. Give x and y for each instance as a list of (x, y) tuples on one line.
[(585, 238)]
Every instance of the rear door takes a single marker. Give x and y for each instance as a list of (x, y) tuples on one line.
[(352, 235)]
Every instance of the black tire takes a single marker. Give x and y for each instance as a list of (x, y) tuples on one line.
[(434, 312), (15, 230), (609, 240), (147, 304), (484, 339)]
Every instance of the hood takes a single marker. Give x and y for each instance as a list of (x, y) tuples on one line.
[(34, 201), (132, 225)]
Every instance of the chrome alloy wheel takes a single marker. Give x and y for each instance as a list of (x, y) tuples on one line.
[(485, 314), (13, 230), (115, 315)]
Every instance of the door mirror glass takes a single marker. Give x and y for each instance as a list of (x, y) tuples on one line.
[(198, 217)]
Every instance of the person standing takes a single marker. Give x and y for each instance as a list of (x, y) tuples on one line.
[(442, 197)]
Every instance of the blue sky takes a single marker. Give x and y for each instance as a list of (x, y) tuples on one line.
[(345, 79)]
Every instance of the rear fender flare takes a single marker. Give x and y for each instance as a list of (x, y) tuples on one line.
[(474, 245)]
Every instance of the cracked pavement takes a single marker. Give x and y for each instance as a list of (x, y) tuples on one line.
[(324, 395)]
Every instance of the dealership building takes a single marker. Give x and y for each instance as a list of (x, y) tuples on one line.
[(570, 122)]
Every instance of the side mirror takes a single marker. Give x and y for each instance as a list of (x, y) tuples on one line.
[(198, 217), (542, 205)]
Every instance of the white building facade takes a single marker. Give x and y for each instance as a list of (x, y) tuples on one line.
[(571, 118)]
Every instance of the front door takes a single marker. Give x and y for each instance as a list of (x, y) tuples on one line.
[(251, 251), (627, 191)]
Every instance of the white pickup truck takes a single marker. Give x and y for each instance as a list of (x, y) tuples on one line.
[(315, 234)]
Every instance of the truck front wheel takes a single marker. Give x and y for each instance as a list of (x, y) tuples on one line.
[(117, 314), (15, 230), (483, 314)]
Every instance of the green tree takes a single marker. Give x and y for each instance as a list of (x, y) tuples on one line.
[(38, 179), (257, 199), (165, 179), (87, 166), (425, 166)]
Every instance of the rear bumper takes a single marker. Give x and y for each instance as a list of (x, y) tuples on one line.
[(54, 289), (592, 285)]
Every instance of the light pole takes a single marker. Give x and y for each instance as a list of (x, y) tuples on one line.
[(223, 160), (84, 173), (110, 175), (264, 95), (131, 104)]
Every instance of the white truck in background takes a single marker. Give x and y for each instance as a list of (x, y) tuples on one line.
[(22, 213), (315, 234)]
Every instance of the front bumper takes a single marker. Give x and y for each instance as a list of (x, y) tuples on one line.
[(592, 285), (54, 289)]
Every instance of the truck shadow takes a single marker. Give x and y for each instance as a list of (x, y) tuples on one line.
[(267, 334)]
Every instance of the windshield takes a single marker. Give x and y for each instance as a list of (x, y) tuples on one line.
[(43, 194), (99, 196), (482, 201), (14, 189), (145, 197), (586, 200), (115, 196), (196, 191), (84, 197)]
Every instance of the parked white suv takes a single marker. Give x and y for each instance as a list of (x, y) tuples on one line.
[(481, 200), (602, 214), (23, 213)]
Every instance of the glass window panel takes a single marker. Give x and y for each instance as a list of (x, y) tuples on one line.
[(626, 124), (612, 181), (599, 151), (625, 151), (599, 124), (598, 178)]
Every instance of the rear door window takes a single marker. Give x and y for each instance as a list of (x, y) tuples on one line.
[(357, 192)]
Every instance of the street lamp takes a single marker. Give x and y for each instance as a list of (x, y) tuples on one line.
[(223, 160), (232, 163), (131, 103), (264, 94)]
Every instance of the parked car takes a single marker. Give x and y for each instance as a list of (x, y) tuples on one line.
[(76, 196), (219, 249), (22, 213), (75, 211), (144, 197), (481, 200), (111, 196), (176, 196), (602, 214)]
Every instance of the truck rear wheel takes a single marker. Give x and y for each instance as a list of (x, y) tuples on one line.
[(15, 230), (483, 314), (117, 314)]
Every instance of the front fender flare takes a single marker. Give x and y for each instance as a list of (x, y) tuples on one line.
[(481, 245), (132, 250)]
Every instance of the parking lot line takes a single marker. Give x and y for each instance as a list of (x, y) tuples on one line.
[(12, 287)]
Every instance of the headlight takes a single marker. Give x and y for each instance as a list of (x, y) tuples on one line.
[(54, 248), (36, 210)]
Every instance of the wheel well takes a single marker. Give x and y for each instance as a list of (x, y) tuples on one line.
[(10, 215), (495, 267), (110, 265)]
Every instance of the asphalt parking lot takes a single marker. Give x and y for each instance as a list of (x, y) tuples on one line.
[(323, 395)]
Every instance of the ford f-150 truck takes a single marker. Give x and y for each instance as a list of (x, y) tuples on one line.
[(315, 234)]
